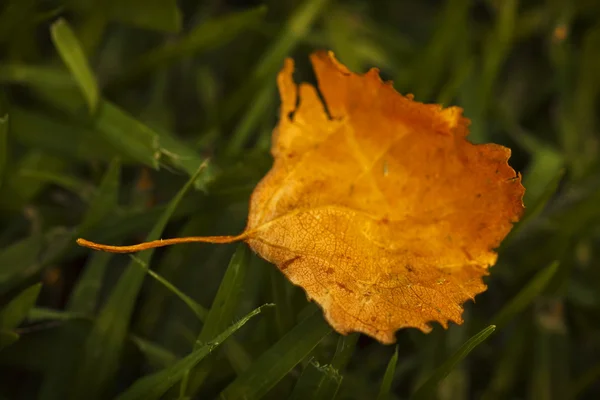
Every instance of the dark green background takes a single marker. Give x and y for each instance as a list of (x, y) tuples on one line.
[(180, 82)]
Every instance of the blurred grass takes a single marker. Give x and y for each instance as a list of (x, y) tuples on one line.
[(107, 108)]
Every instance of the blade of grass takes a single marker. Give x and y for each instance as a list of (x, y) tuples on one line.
[(126, 134), (388, 377), (15, 312), (44, 314), (222, 311), (526, 295), (155, 385), (131, 137), (318, 382), (104, 345), (72, 54), (3, 146), (35, 75), (200, 312), (59, 137), (227, 298), (278, 360), (208, 35), (427, 389)]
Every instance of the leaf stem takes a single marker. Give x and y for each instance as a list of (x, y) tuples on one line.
[(160, 243)]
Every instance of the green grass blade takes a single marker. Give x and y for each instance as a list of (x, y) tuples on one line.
[(43, 313), (72, 54), (105, 343), (227, 298), (155, 385), (526, 295), (17, 309), (182, 156), (318, 382), (388, 377), (3, 146), (278, 360), (36, 75), (59, 137), (132, 138), (160, 15), (196, 308), (223, 308), (427, 389), (208, 35)]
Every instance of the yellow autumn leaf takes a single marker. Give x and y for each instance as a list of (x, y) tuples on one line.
[(376, 205)]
